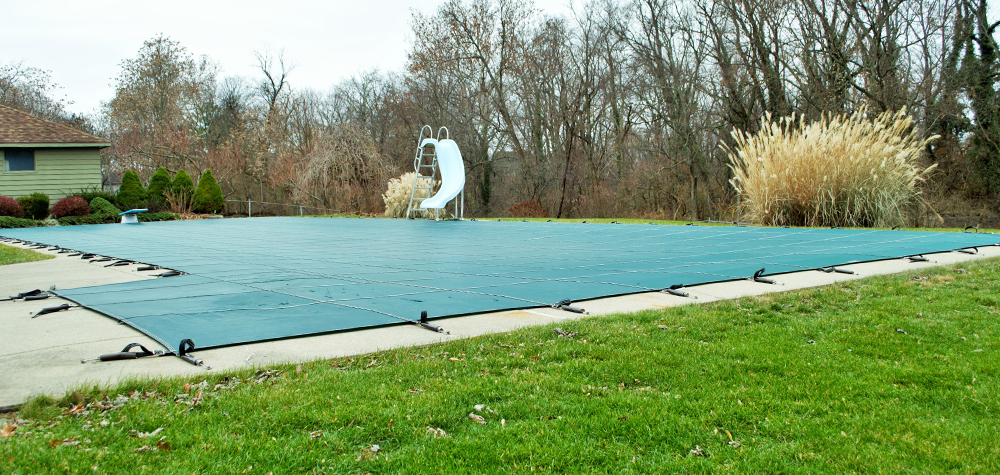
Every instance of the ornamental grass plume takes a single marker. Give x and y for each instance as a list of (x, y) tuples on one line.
[(837, 171), (397, 194)]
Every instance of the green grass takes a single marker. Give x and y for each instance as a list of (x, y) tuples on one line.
[(14, 255), (811, 381)]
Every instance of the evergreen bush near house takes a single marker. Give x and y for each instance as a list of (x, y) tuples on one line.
[(158, 184), (208, 197), (88, 194), (182, 188), (70, 206), (10, 207), (131, 194), (103, 206), (35, 205)]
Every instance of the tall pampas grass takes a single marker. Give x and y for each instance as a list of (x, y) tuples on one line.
[(397, 194), (838, 171)]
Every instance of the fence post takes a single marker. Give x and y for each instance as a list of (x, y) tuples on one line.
[(249, 208)]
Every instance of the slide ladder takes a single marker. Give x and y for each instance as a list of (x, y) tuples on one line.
[(423, 160)]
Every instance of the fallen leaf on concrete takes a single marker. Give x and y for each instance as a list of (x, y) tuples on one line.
[(477, 418)]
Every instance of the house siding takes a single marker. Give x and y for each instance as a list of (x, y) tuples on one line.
[(59, 172)]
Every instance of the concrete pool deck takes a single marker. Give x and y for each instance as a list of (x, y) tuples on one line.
[(41, 356)]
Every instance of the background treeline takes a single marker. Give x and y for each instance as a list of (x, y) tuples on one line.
[(620, 109)]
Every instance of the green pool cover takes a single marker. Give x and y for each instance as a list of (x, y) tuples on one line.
[(260, 279)]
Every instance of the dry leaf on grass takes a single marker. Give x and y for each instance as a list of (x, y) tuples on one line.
[(436, 432), (477, 418), (143, 435), (7, 430), (316, 434)]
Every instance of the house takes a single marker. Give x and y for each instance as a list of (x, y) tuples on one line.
[(42, 156)]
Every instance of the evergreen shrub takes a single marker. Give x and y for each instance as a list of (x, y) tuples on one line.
[(35, 205), (131, 194)]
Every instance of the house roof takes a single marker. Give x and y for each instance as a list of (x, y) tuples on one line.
[(21, 128)]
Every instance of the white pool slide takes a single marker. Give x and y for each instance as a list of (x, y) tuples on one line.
[(449, 160)]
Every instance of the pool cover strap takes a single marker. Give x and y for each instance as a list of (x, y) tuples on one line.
[(184, 349), (125, 354)]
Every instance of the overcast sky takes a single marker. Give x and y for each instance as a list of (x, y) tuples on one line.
[(83, 43)]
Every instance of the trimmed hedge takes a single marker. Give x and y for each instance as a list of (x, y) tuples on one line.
[(70, 206), (164, 216), (36, 205), (10, 207), (12, 222), (208, 197), (131, 194)]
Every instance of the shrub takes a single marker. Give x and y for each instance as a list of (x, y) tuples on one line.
[(208, 197), (71, 206), (10, 207), (103, 206), (158, 183), (838, 171), (397, 194), (12, 222), (131, 194), (164, 216), (528, 209), (101, 211), (35, 205), (181, 191), (88, 194)]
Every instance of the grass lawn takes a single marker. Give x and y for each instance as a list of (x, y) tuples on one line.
[(892, 374), (14, 255)]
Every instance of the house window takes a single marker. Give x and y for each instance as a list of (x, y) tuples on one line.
[(18, 160)]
